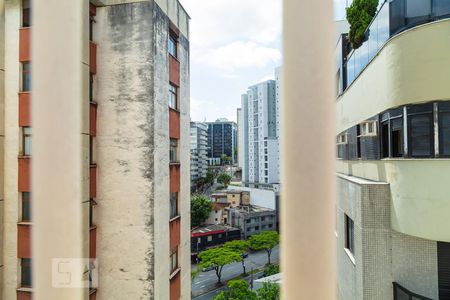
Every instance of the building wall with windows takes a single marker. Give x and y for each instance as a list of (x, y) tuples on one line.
[(135, 189), (199, 145), (260, 145), (222, 140), (392, 116)]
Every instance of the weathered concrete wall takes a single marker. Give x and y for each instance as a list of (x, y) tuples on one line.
[(2, 130), (125, 151), (11, 149)]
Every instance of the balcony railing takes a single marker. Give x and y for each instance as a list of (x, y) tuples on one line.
[(401, 293), (392, 18)]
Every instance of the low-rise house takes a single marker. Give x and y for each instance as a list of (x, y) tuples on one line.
[(252, 219)]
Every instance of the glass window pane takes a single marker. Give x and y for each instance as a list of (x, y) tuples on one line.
[(172, 46), (383, 25), (26, 77), (441, 8), (373, 39), (444, 133), (420, 135)]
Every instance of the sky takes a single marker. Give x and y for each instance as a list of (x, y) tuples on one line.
[(234, 44)]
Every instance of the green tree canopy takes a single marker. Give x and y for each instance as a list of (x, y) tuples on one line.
[(265, 241), (359, 15), (271, 270), (224, 179), (217, 258), (269, 291), (236, 290), (240, 246), (201, 206)]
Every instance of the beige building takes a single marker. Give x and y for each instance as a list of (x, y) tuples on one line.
[(134, 185)]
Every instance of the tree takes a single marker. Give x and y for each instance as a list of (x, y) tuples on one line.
[(236, 290), (269, 291), (271, 270), (217, 258), (201, 206), (266, 240), (359, 15), (242, 247), (224, 179)]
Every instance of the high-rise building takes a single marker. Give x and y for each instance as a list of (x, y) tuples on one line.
[(135, 119), (239, 135), (199, 145), (393, 144), (222, 141), (259, 127)]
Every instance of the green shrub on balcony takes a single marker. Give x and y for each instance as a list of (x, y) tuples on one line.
[(359, 15)]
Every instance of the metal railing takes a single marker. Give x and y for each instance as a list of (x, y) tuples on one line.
[(401, 293)]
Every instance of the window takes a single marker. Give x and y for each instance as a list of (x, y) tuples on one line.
[(91, 150), (358, 141), (263, 219), (421, 129), (173, 150), (349, 234), (26, 207), (369, 128), (26, 140), (172, 46), (91, 212), (256, 227), (444, 129), (270, 225), (248, 221), (397, 137), (174, 260), (173, 205), (173, 96), (26, 77), (209, 238), (385, 139), (248, 229), (263, 227), (341, 139), (25, 272), (91, 88), (26, 13)]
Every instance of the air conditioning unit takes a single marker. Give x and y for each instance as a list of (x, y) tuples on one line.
[(369, 128), (342, 139)]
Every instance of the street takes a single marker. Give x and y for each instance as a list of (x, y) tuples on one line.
[(204, 283)]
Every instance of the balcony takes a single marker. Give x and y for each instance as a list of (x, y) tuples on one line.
[(174, 232), (93, 181), (24, 240), (174, 178), (92, 57), (93, 119), (174, 70), (24, 174), (24, 44), (174, 124), (93, 242), (24, 109)]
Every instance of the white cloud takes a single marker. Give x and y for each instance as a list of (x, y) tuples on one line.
[(238, 55)]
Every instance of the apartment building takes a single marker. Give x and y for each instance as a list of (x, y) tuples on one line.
[(252, 219), (222, 141), (260, 133), (135, 116), (393, 148), (199, 146)]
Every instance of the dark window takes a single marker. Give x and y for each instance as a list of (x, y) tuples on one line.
[(256, 227), (349, 234), (358, 141), (263, 219), (91, 150), (26, 77), (248, 229), (26, 207), (91, 212), (26, 13), (174, 260), (248, 221), (173, 96), (384, 139), (172, 46), (91, 88), (420, 125), (173, 150), (270, 225), (444, 129), (173, 205), (25, 278), (397, 137), (26, 140)]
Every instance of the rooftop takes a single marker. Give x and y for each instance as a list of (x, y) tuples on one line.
[(214, 228)]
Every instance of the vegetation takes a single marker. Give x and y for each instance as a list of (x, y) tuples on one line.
[(225, 160), (224, 179), (240, 290), (359, 15), (217, 258), (271, 270), (201, 206), (266, 240), (240, 246)]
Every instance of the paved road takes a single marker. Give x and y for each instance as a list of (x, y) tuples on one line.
[(206, 281)]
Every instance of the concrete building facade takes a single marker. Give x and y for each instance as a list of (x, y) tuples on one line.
[(260, 132), (393, 146), (252, 219), (199, 153), (222, 140), (135, 187)]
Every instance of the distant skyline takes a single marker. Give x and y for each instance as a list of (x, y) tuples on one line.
[(234, 44)]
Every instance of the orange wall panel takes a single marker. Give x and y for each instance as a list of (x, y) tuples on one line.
[(92, 57), (24, 109), (93, 119), (175, 287), (93, 181), (24, 241), (174, 124), (174, 70), (93, 242), (24, 174), (24, 44), (174, 178), (22, 295), (174, 232)]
